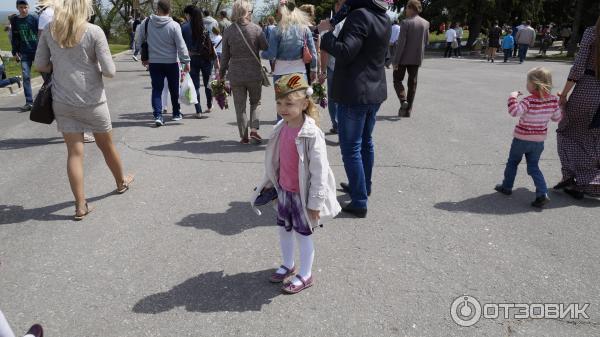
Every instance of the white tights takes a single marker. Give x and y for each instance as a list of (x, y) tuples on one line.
[(307, 252)]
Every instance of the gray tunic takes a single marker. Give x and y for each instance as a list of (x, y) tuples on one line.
[(77, 72)]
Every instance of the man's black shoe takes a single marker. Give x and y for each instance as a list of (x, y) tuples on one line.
[(540, 202), (346, 188), (358, 212)]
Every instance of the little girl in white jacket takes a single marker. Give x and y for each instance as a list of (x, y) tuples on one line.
[(296, 166)]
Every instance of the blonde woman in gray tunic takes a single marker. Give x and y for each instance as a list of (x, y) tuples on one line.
[(77, 54)]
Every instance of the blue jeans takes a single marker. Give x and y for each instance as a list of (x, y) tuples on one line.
[(7, 81), (331, 105), (26, 61), (355, 126), (158, 72), (523, 48), (197, 65), (533, 152)]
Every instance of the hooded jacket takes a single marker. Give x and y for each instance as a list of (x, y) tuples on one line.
[(165, 42), (317, 183)]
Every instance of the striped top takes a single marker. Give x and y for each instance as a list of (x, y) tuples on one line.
[(535, 113)]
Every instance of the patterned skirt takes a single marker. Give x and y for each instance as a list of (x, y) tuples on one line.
[(578, 145), (290, 213)]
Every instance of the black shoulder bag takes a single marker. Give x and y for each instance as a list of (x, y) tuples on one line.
[(145, 54), (41, 110)]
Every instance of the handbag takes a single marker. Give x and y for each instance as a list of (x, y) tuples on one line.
[(41, 110), (144, 53), (306, 55), (265, 74), (454, 44)]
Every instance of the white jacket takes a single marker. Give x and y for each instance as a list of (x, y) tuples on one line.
[(317, 183)]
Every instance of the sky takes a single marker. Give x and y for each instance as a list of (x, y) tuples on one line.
[(12, 4)]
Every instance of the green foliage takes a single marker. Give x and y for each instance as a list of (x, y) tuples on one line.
[(480, 14)]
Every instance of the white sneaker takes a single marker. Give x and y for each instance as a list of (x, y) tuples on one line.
[(178, 117), (159, 122), (87, 138), (134, 58)]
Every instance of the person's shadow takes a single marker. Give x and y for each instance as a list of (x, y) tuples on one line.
[(10, 214), (214, 292), (197, 145), (237, 219), (518, 202), (17, 144)]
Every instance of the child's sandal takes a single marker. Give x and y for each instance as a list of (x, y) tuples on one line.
[(290, 288), (277, 277)]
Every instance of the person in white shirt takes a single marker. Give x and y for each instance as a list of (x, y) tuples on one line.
[(450, 37), (459, 35), (393, 40), (45, 18)]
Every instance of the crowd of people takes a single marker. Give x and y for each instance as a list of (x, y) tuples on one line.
[(349, 53)]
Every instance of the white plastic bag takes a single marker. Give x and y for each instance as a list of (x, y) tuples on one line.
[(187, 91)]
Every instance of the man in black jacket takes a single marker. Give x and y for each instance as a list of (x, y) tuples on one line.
[(359, 88)]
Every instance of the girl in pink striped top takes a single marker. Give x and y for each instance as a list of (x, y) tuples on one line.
[(535, 111)]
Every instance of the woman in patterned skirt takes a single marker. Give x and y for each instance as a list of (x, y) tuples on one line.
[(579, 130)]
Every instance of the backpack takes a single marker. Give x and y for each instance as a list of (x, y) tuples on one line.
[(206, 49)]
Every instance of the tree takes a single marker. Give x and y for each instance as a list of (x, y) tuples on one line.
[(104, 17)]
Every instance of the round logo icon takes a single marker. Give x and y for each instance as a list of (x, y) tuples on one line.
[(465, 310)]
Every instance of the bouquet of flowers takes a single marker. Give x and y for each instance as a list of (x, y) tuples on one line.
[(319, 94), (220, 91)]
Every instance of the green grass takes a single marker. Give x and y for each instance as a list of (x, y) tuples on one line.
[(118, 48), (558, 57), (434, 37), (13, 68)]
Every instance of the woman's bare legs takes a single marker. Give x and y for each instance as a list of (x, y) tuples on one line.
[(111, 156), (74, 143)]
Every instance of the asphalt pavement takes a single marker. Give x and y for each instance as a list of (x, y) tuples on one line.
[(182, 253)]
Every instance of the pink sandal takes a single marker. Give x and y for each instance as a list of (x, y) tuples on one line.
[(290, 288), (277, 278)]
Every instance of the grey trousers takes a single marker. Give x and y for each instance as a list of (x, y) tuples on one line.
[(240, 92)]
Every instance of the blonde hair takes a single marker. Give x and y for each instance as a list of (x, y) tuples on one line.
[(541, 78), (311, 110), (240, 10), (291, 18), (310, 10), (69, 17)]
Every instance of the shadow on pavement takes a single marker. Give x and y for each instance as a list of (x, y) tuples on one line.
[(261, 123), (237, 219), (518, 202), (16, 143), (380, 118), (11, 214), (142, 119), (195, 144), (14, 109), (214, 292)]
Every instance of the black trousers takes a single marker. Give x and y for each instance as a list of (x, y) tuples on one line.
[(398, 75)]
